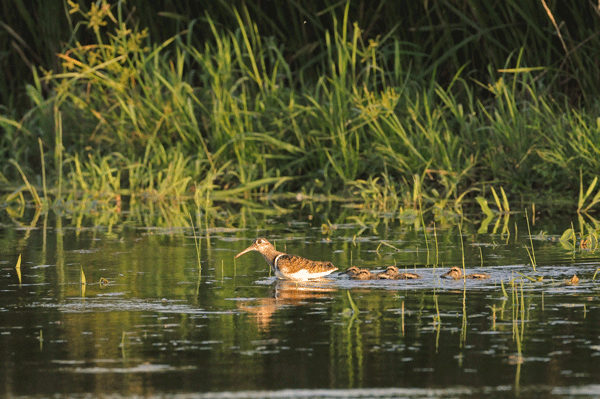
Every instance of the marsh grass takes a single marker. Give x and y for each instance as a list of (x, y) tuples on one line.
[(583, 198), (197, 243), (232, 119), (353, 307), (437, 320), (82, 279), (18, 269), (518, 327), (32, 190), (531, 279), (504, 293), (530, 250), (585, 238)]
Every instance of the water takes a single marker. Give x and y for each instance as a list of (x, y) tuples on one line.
[(161, 327)]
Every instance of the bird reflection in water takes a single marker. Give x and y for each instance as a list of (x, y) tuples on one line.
[(285, 293)]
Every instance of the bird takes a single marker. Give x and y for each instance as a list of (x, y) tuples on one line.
[(363, 274), (359, 274), (353, 271), (392, 273), (288, 266), (389, 274), (407, 276), (455, 273), (573, 280)]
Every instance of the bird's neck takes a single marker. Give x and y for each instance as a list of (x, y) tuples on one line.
[(270, 256)]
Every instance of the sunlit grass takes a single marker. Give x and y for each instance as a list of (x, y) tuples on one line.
[(197, 243), (530, 250), (584, 239), (32, 190), (583, 198), (18, 269), (165, 122)]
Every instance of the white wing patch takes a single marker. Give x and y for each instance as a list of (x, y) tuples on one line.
[(305, 275)]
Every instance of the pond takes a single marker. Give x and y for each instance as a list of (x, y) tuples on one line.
[(169, 312)]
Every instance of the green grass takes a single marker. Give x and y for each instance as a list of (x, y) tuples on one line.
[(235, 118)]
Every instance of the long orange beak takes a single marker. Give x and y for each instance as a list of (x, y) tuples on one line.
[(250, 248)]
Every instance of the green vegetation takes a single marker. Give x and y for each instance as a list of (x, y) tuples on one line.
[(401, 106)]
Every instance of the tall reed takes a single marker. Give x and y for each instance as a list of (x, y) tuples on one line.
[(223, 110)]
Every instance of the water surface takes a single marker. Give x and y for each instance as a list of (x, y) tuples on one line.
[(162, 325)]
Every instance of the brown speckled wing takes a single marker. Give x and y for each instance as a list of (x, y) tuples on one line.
[(455, 272), (290, 264), (478, 276), (386, 275), (364, 275), (407, 276)]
